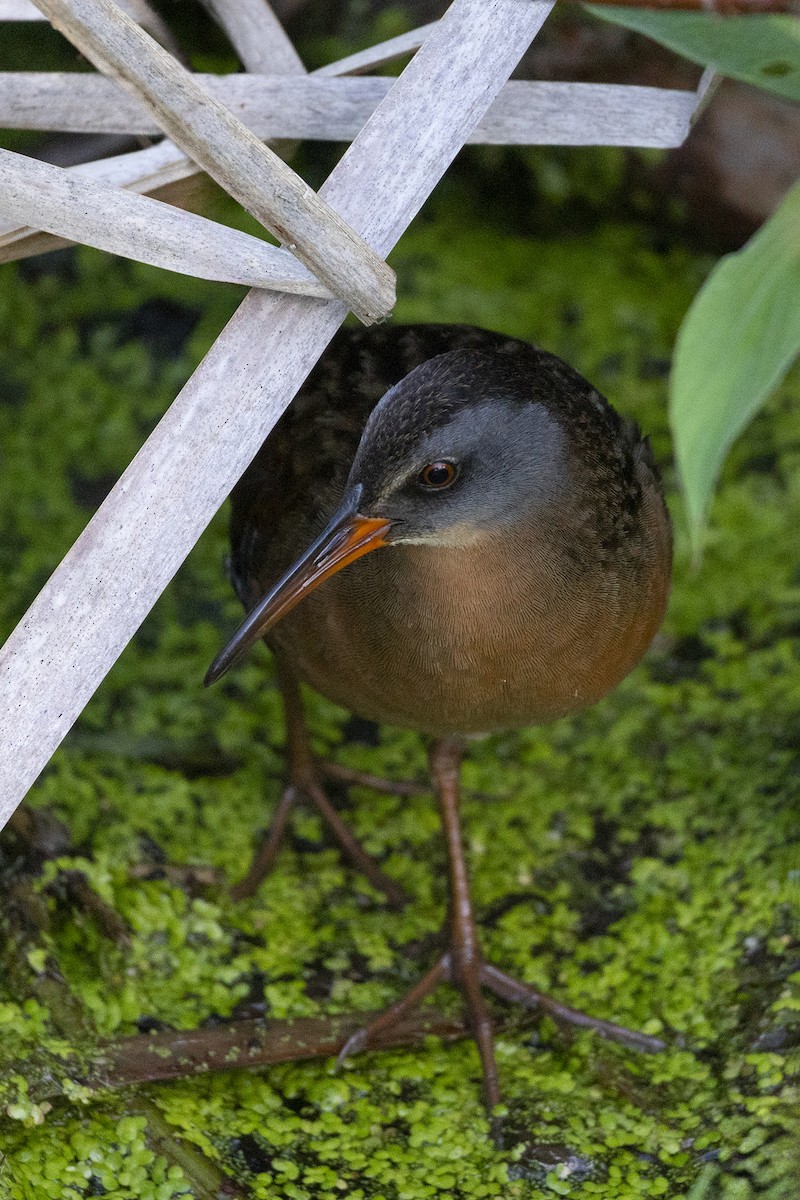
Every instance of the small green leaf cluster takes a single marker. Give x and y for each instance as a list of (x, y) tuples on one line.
[(112, 1159)]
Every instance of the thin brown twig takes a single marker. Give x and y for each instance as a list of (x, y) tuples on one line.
[(180, 1054), (176, 1054)]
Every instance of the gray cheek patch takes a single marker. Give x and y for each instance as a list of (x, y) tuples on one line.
[(521, 445), (513, 460)]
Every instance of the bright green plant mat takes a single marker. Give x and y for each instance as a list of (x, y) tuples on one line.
[(640, 861)]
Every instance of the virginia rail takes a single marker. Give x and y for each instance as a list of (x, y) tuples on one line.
[(523, 568)]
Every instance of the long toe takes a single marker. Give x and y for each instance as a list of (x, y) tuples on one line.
[(267, 852), (308, 788), (351, 777), (352, 848), (509, 988), (362, 1039), (305, 781)]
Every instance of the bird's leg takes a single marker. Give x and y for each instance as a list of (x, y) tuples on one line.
[(466, 960), (463, 964), (304, 782)]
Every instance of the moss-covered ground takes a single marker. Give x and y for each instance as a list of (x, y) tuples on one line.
[(641, 861)]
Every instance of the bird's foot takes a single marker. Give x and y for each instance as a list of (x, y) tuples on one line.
[(306, 786), (471, 976), (463, 963)]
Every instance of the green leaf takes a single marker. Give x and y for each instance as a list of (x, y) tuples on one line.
[(737, 341), (763, 50)]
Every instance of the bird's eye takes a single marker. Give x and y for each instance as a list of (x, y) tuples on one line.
[(438, 475)]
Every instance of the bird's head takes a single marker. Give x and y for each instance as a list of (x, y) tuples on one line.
[(464, 448)]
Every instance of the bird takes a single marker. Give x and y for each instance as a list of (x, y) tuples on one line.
[(449, 530)]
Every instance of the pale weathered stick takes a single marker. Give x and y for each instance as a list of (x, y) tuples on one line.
[(257, 36), (231, 153), (532, 113), (380, 54), (330, 109), (20, 10), (249, 32), (137, 170), (141, 171), (108, 582), (163, 167), (706, 90), (140, 10), (149, 231)]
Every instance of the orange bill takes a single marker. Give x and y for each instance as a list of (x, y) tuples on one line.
[(345, 538)]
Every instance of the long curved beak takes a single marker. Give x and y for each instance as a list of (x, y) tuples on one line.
[(346, 537)]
